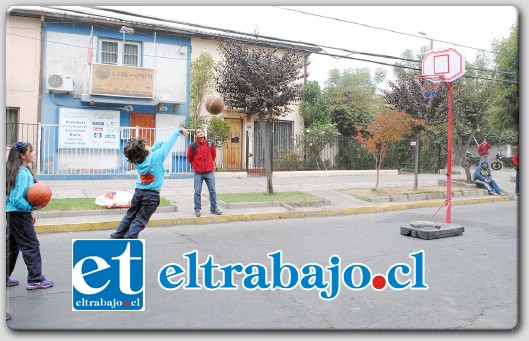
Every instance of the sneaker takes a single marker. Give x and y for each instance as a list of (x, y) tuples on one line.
[(12, 282), (501, 193), (116, 236), (8, 316), (45, 284), (495, 193), (216, 211), (197, 213)]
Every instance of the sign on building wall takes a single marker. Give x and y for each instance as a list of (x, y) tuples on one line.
[(81, 128), (123, 81)]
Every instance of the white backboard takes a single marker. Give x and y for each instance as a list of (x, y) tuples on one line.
[(446, 62)]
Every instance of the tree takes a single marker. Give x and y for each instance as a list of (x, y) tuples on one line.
[(314, 141), (218, 131), (351, 99), (350, 96), (506, 110), (202, 76), (312, 108), (388, 127), (472, 99), (261, 82), (404, 94)]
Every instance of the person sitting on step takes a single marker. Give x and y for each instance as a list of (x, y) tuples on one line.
[(483, 178)]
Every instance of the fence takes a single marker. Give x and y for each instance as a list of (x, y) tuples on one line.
[(296, 153), (70, 150)]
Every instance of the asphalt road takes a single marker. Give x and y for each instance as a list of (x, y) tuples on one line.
[(473, 279)]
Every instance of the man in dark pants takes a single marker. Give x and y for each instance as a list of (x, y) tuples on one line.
[(201, 154)]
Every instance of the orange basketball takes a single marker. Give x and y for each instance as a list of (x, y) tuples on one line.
[(39, 194), (214, 105)]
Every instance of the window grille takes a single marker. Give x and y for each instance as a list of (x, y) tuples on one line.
[(11, 126), (109, 53), (120, 53), (130, 55)]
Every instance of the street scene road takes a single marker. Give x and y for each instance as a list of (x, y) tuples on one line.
[(472, 279)]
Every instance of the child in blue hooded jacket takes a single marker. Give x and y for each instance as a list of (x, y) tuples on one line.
[(483, 178), (148, 162)]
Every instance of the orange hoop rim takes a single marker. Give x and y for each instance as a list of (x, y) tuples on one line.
[(428, 85), (431, 78)]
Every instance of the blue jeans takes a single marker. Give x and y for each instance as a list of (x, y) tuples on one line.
[(491, 187), (142, 206), (209, 179), (21, 236), (517, 182)]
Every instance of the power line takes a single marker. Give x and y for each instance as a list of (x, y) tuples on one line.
[(253, 35), (321, 47), (379, 28)]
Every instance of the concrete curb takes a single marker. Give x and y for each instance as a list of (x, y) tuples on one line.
[(159, 222), (110, 211)]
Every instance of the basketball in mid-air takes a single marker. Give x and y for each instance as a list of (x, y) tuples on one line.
[(39, 194), (214, 105)]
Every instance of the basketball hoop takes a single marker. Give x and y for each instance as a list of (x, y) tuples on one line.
[(428, 85)]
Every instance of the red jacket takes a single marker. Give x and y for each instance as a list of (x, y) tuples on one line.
[(201, 156), (483, 149), (516, 161)]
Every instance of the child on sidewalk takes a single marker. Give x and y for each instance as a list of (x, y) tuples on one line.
[(20, 233), (148, 162)]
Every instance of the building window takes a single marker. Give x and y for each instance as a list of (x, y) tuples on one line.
[(119, 53), (130, 55), (11, 126)]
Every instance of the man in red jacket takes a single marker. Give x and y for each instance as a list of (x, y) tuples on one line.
[(201, 154), (483, 149), (516, 163)]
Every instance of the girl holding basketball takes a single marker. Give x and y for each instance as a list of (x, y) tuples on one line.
[(20, 234)]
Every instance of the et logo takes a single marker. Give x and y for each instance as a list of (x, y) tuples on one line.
[(108, 275)]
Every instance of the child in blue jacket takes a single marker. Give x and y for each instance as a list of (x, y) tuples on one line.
[(148, 162), (20, 233)]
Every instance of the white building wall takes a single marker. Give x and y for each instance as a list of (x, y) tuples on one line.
[(170, 63), (67, 54)]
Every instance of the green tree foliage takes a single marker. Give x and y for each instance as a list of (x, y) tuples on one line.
[(405, 94), (506, 110), (315, 139), (350, 96), (218, 130), (312, 108), (472, 97), (263, 83), (202, 76)]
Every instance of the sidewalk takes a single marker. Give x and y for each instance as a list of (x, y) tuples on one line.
[(327, 185)]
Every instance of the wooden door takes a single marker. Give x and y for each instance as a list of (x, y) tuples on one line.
[(146, 130), (233, 146)]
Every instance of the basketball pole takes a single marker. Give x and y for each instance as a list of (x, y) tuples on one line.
[(449, 161)]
